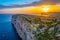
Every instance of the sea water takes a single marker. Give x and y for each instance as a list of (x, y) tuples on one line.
[(7, 31)]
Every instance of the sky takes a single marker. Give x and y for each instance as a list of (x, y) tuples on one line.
[(17, 2), (5, 4), (21, 2), (14, 6), (11, 7)]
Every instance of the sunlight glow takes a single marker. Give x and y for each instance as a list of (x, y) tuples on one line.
[(45, 9)]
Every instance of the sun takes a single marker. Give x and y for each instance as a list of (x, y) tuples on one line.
[(45, 9)]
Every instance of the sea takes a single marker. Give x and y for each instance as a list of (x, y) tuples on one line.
[(7, 31)]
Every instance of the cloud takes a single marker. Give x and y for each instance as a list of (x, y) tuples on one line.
[(47, 1), (35, 3), (18, 10), (27, 8), (15, 3), (53, 1), (11, 6), (30, 9)]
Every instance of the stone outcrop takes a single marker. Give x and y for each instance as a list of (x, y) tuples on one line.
[(32, 27)]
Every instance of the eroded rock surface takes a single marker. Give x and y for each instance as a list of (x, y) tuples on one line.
[(32, 27)]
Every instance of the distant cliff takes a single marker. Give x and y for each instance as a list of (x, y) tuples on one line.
[(32, 27)]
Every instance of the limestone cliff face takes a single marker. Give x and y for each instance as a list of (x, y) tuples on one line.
[(32, 27)]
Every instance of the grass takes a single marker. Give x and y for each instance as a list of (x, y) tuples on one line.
[(48, 35)]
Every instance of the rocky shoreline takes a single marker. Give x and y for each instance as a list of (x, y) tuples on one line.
[(32, 27)]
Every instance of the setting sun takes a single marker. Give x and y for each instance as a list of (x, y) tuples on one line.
[(45, 9)]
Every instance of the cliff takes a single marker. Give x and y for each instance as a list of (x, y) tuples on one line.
[(32, 27)]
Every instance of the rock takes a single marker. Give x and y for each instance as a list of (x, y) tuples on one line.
[(31, 27)]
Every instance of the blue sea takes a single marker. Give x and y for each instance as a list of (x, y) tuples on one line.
[(7, 31)]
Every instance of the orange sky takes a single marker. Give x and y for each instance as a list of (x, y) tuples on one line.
[(31, 9)]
